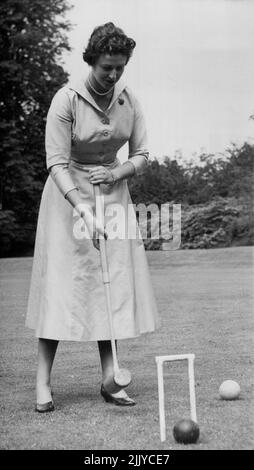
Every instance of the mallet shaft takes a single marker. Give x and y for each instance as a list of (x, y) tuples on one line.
[(105, 273)]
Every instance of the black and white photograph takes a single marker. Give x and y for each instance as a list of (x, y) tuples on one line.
[(127, 228)]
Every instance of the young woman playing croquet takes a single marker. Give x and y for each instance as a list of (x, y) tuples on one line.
[(87, 123)]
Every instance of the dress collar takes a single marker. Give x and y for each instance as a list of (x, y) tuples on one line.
[(80, 87)]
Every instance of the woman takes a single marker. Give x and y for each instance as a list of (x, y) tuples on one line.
[(87, 123)]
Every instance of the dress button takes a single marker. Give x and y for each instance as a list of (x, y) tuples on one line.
[(105, 121), (106, 133), (101, 154)]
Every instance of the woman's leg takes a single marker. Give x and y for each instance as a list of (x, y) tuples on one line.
[(107, 366), (46, 353)]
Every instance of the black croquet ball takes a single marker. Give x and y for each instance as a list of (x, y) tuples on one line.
[(186, 431)]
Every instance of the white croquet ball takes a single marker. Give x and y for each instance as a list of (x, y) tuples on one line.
[(229, 390)]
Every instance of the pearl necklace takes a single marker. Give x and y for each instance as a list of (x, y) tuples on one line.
[(96, 92)]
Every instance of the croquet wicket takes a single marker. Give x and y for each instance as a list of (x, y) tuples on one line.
[(160, 361)]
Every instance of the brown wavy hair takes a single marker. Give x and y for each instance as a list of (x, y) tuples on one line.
[(108, 39)]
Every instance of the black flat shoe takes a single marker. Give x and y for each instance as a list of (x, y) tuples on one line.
[(44, 407), (116, 401)]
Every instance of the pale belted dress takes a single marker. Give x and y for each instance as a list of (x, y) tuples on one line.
[(67, 297)]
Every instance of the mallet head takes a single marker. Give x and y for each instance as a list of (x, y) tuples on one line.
[(122, 377)]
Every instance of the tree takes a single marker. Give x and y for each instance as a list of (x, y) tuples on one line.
[(161, 182), (33, 37)]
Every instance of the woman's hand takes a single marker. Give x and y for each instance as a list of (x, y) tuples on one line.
[(94, 227), (100, 174)]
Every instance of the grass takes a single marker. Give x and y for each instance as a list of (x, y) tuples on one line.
[(205, 299)]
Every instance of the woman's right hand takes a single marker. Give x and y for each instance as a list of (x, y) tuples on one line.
[(94, 227)]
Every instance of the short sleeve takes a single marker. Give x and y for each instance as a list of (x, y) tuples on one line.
[(138, 146), (58, 129)]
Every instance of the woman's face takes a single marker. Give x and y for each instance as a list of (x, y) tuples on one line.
[(108, 69)]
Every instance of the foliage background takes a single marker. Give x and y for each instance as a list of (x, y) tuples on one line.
[(32, 39), (215, 193)]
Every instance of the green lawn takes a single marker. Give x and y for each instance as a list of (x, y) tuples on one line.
[(205, 298)]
